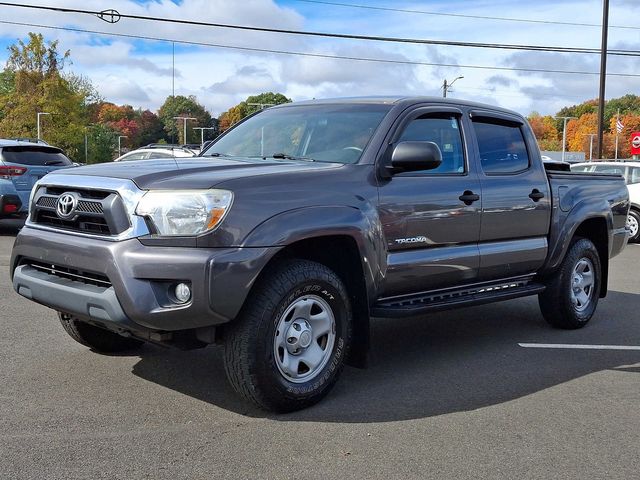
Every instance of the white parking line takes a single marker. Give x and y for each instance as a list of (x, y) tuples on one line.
[(580, 347)]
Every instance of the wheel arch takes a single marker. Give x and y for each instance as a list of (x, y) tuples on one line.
[(596, 230)]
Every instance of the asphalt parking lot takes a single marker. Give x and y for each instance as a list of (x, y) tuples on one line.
[(452, 395)]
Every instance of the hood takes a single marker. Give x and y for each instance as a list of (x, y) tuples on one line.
[(193, 173)]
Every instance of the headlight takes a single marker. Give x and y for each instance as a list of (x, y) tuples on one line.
[(184, 212)]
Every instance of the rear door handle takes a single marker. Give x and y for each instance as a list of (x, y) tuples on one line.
[(468, 197), (536, 195)]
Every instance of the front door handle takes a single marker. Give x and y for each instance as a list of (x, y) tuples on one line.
[(536, 195), (468, 197)]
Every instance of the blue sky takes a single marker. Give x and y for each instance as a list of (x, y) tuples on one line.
[(140, 72)]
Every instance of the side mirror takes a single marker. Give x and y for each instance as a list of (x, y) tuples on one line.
[(414, 156)]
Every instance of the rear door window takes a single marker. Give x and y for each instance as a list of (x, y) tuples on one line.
[(502, 148), (35, 156)]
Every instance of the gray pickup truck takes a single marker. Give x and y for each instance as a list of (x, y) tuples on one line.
[(298, 224)]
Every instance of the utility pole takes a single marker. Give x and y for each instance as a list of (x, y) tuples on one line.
[(590, 135), (38, 121), (603, 74), (202, 129), (447, 86), (120, 137), (564, 133), (184, 119)]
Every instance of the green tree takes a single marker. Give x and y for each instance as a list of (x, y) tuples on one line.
[(627, 105), (102, 143), (7, 82), (39, 86), (181, 106)]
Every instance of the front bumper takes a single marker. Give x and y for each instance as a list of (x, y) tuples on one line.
[(134, 298)]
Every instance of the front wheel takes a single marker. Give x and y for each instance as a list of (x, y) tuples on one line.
[(633, 224), (286, 349), (571, 297)]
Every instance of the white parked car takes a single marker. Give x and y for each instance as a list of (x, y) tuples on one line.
[(631, 172), (151, 153)]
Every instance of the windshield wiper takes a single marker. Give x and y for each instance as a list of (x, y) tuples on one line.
[(284, 156)]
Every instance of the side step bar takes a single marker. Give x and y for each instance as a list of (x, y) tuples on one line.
[(411, 305)]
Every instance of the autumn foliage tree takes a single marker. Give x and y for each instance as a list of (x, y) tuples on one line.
[(581, 128), (544, 128)]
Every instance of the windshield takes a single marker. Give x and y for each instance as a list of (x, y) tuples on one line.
[(325, 133)]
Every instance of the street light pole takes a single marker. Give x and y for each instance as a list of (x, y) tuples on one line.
[(590, 135), (184, 119), (564, 133), (120, 137), (446, 86), (202, 129), (38, 121)]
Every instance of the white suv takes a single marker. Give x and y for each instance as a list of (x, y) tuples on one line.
[(631, 172), (151, 153)]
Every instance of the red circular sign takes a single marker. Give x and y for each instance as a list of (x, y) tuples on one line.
[(635, 143)]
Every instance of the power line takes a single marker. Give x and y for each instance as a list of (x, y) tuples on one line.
[(540, 48), (460, 15), (314, 55)]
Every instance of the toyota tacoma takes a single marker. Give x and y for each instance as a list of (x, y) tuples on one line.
[(298, 224)]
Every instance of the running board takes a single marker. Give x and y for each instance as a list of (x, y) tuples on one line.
[(411, 305)]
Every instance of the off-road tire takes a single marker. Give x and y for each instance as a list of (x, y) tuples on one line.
[(555, 302), (249, 358), (96, 338)]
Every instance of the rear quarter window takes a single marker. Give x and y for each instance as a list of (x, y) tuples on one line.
[(502, 148), (35, 156)]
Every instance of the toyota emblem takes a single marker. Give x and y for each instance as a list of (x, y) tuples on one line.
[(66, 205)]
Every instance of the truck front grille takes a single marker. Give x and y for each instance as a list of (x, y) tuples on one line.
[(84, 206), (81, 223), (98, 212)]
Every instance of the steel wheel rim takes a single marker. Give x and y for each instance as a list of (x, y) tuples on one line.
[(632, 223), (304, 339), (582, 284)]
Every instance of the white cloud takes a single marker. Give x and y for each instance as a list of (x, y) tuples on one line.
[(127, 91), (140, 73)]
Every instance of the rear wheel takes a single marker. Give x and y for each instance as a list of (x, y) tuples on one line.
[(286, 349), (96, 338), (571, 297), (633, 224)]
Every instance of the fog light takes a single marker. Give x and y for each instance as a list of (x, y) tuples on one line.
[(182, 293)]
